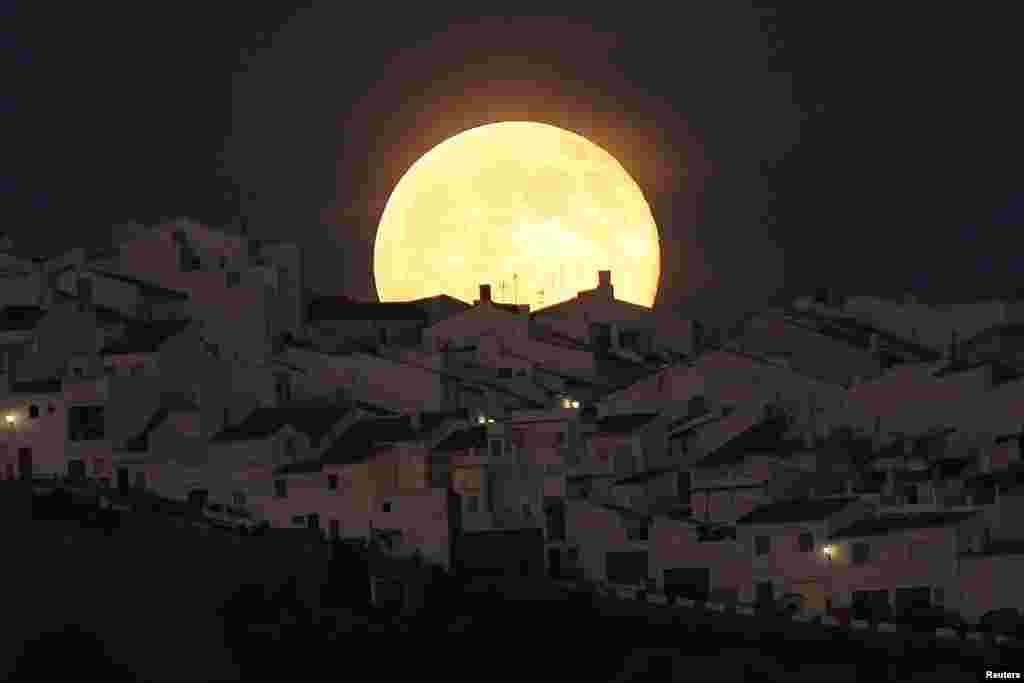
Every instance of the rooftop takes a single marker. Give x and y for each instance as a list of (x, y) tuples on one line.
[(883, 524), (145, 337), (470, 437), (625, 423), (766, 436), (802, 510), (358, 441), (313, 417), (344, 308), (16, 318)]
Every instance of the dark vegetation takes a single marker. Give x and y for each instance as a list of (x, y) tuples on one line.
[(129, 598)]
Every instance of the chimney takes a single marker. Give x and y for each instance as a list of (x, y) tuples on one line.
[(84, 294), (604, 282), (485, 294)]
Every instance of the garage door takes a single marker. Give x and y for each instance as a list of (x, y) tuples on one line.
[(628, 568), (689, 582)]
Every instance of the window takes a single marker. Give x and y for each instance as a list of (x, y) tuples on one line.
[(806, 542), (385, 506), (496, 448), (910, 494), (51, 409), (762, 545), (140, 480), (574, 556), (505, 373), (299, 520), (636, 531), (472, 503), (526, 510), (280, 488), (939, 595), (685, 481), (860, 553), (332, 482), (334, 527), (33, 411), (238, 498), (223, 262), (234, 278), (86, 423)]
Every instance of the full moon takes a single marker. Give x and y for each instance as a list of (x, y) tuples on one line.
[(533, 210)]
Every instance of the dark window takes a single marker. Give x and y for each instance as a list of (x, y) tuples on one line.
[(910, 494), (627, 567), (385, 507), (313, 521), (33, 411), (505, 372), (335, 529), (496, 448), (332, 482), (637, 531), (86, 423), (806, 542), (280, 488), (223, 262), (762, 545), (555, 510), (299, 519), (685, 481), (860, 553), (472, 503), (140, 480), (50, 408), (238, 498), (234, 278)]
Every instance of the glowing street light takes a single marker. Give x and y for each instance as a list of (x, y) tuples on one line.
[(10, 418), (828, 550), (575, 404)]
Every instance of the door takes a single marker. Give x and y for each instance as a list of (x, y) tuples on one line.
[(813, 592), (123, 478), (912, 598), (554, 563), (688, 582), (765, 593), (628, 568), (76, 469), (25, 463)]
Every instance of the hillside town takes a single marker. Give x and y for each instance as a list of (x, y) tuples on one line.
[(846, 455)]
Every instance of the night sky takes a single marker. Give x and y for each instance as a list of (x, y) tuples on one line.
[(780, 150)]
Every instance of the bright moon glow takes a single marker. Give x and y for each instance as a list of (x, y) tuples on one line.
[(530, 209)]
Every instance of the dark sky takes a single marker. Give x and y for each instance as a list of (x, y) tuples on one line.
[(780, 150)]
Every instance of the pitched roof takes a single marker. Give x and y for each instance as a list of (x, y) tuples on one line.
[(881, 525), (143, 285), (801, 510), (344, 308), (642, 477), (38, 386), (356, 444), (766, 436), (303, 467), (14, 318), (145, 337), (471, 437), (625, 512), (313, 417), (140, 442), (625, 423)]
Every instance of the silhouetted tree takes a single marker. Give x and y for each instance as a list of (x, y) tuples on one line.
[(68, 652)]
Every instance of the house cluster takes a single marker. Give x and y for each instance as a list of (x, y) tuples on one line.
[(820, 449)]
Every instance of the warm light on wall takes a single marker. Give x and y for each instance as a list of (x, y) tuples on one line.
[(828, 550), (10, 418)]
